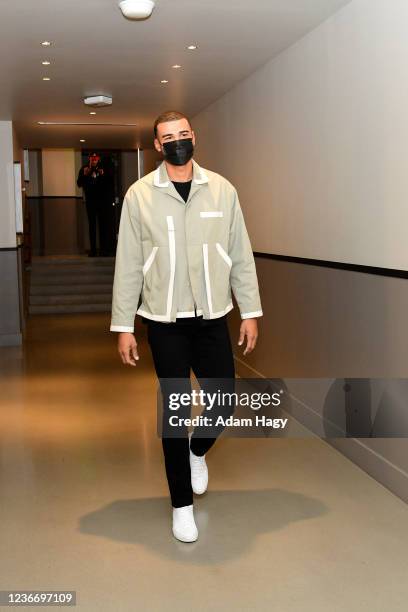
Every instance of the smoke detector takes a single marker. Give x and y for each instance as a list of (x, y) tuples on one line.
[(98, 101), (136, 9)]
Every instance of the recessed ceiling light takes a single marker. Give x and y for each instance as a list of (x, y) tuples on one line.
[(46, 43), (163, 81), (176, 66), (46, 63), (82, 140), (92, 113), (46, 79), (192, 47), (91, 123)]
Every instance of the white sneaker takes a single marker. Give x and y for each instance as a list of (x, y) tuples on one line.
[(184, 527), (199, 472)]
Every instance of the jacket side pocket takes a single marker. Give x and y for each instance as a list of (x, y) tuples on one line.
[(149, 260), (224, 254)]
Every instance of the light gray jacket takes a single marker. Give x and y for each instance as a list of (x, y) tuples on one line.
[(180, 257)]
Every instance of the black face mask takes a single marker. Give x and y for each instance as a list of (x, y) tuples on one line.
[(178, 152)]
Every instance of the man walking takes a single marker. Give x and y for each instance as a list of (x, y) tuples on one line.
[(182, 248)]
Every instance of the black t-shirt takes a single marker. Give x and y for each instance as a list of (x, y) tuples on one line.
[(183, 188)]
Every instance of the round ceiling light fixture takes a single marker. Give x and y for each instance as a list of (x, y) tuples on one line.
[(98, 100), (136, 9)]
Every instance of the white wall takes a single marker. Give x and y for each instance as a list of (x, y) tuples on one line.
[(129, 169), (316, 141), (77, 167), (7, 206), (34, 187), (59, 172)]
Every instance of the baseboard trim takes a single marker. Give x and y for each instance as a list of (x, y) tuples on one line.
[(11, 339), (389, 475), (337, 265), (378, 467)]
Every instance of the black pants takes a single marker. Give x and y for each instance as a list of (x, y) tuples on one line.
[(99, 213), (205, 347)]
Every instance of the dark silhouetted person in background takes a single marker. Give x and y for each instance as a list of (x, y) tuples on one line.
[(96, 183)]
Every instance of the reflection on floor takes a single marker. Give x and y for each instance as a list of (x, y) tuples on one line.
[(287, 525)]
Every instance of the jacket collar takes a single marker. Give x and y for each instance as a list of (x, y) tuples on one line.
[(161, 178)]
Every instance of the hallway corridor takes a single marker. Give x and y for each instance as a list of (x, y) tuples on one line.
[(286, 525)]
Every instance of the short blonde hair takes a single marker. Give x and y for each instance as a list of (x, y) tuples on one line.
[(169, 116)]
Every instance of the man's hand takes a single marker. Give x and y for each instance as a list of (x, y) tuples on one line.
[(127, 347), (249, 328), (86, 170)]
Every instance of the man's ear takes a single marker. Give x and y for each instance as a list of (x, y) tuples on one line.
[(157, 145), (193, 137)]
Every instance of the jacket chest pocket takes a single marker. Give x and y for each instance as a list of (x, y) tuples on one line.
[(213, 225), (210, 214)]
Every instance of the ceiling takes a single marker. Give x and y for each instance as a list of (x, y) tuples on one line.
[(97, 51)]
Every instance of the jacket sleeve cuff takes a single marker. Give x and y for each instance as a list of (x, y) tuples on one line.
[(251, 315), (121, 328)]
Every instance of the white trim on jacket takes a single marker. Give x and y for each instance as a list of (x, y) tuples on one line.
[(172, 252), (199, 181), (251, 315), (150, 260), (224, 254), (230, 306), (122, 328)]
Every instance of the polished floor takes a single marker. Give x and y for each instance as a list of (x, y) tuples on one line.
[(287, 525)]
